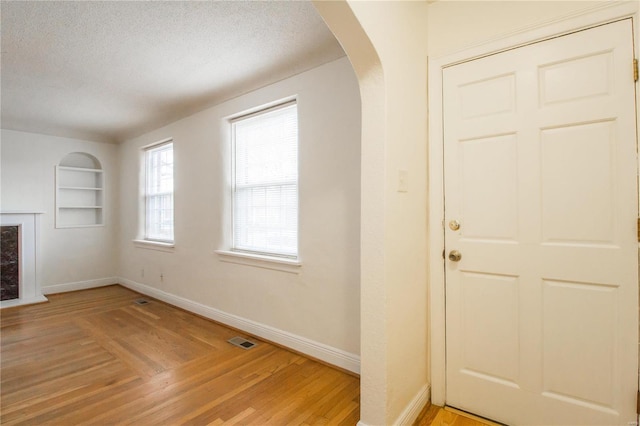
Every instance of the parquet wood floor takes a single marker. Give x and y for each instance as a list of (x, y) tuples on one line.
[(95, 357)]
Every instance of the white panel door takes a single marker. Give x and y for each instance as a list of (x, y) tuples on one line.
[(541, 174)]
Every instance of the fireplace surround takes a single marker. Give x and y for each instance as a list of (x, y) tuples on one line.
[(10, 265), (23, 265)]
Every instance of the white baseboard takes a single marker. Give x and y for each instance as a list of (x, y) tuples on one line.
[(21, 302), (79, 285), (328, 354), (412, 411)]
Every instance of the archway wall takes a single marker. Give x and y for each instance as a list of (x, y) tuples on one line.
[(387, 44)]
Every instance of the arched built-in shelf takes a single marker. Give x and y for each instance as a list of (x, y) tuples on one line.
[(79, 191)]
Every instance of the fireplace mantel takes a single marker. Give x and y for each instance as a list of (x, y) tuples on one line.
[(29, 256)]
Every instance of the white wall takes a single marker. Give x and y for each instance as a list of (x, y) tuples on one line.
[(322, 302), (69, 255)]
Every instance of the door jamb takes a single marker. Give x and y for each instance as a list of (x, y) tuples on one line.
[(601, 14)]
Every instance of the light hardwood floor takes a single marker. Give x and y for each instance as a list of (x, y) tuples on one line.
[(94, 357), (434, 415)]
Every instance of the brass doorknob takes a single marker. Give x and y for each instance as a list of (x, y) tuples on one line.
[(455, 256)]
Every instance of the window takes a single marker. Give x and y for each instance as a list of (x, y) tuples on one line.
[(265, 182), (159, 193)]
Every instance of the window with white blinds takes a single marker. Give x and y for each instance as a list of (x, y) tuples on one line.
[(159, 193), (265, 182)]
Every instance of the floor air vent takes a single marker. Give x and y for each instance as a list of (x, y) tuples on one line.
[(141, 302), (242, 343)]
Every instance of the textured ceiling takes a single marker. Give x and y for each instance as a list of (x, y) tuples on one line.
[(109, 70)]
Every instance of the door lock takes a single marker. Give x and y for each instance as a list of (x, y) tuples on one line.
[(454, 225), (455, 256)]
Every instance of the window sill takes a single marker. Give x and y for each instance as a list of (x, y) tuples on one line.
[(259, 261), (154, 245)]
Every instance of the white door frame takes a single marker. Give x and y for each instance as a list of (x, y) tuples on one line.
[(601, 14)]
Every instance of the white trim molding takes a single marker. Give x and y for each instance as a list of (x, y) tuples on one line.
[(412, 411), (155, 245), (260, 261), (29, 256), (599, 13), (320, 351), (23, 301), (603, 13), (79, 285)]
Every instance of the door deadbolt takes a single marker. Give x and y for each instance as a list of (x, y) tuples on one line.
[(454, 225), (455, 256)]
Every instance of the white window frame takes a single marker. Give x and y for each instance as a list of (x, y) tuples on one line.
[(151, 239), (235, 254)]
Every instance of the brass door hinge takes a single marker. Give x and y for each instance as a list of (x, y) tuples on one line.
[(635, 70)]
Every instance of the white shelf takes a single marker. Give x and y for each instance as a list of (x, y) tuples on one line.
[(80, 187), (79, 226), (79, 197), (79, 169)]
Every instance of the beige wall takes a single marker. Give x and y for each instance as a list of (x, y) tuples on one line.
[(454, 25), (398, 32), (386, 42)]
